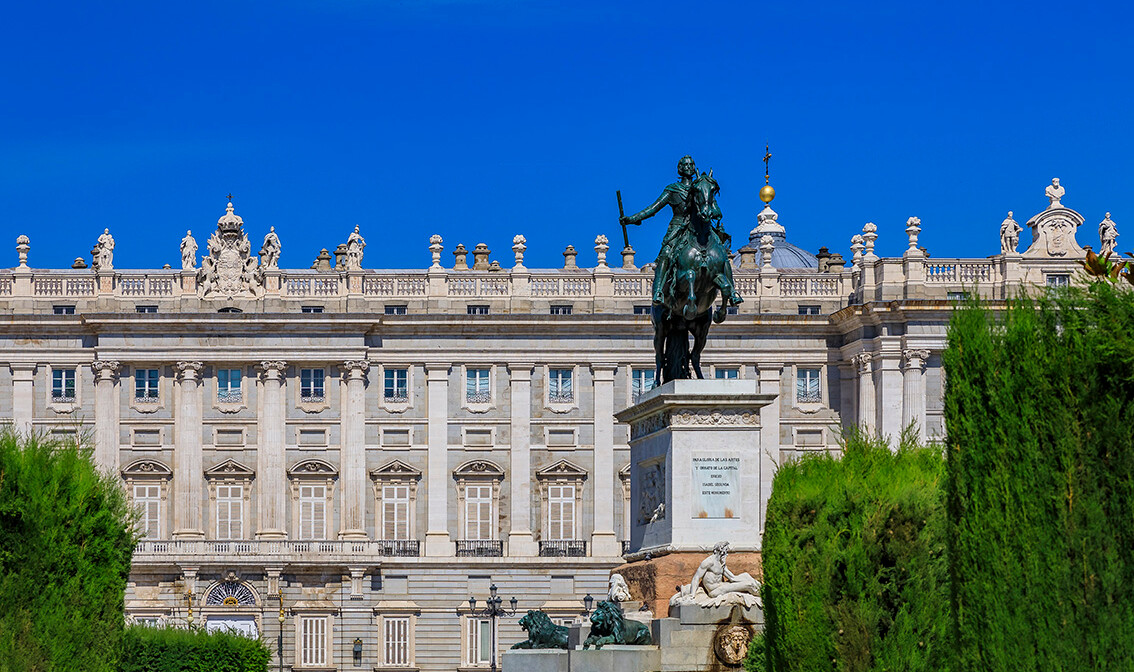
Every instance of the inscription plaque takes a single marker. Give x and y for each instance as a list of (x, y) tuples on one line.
[(716, 485)]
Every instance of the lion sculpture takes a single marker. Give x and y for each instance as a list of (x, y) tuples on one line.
[(542, 633), (609, 626)]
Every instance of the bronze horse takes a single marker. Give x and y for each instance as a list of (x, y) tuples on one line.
[(687, 299)]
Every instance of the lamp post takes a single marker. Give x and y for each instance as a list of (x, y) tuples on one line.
[(189, 599), (279, 643), (493, 611)]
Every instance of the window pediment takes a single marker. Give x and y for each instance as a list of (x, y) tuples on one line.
[(481, 469), (312, 467), (563, 470), (147, 468), (230, 469), (396, 469)]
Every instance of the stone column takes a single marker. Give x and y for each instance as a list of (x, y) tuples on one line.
[(520, 541), (604, 541), (863, 362), (770, 374), (352, 451), (271, 454), (23, 401), (437, 540), (188, 469), (913, 390), (106, 415)]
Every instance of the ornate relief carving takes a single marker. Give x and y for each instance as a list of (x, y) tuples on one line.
[(105, 369), (188, 370), (731, 644), (230, 469), (478, 469), (147, 468), (396, 470), (915, 358), (862, 362), (714, 416), (229, 268), (649, 425), (651, 503), (313, 468)]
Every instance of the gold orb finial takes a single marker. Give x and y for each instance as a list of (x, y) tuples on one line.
[(767, 193)]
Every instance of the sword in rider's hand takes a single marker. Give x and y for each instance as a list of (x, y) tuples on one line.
[(625, 239)]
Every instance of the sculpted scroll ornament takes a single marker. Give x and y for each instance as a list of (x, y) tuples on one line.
[(229, 268), (915, 358), (862, 361), (188, 370), (105, 369)]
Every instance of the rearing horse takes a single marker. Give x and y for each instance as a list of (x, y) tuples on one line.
[(698, 271)]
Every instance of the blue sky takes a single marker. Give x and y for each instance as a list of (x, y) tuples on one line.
[(480, 119)]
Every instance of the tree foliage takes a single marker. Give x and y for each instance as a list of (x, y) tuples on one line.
[(855, 574), (66, 538), (149, 649), (1039, 409)]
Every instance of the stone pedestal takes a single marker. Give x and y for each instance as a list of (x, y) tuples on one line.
[(610, 658), (695, 472)]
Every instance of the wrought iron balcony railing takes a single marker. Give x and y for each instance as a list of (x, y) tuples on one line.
[(480, 548), (399, 548), (563, 548)]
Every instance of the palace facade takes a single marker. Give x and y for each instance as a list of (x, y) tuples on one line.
[(359, 451)]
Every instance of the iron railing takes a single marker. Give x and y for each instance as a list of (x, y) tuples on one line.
[(480, 548), (563, 548)]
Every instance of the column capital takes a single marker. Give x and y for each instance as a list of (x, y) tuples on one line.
[(27, 368), (105, 369), (862, 361), (356, 368), (272, 369), (915, 359), (437, 371), (188, 371), (603, 371), (521, 370)]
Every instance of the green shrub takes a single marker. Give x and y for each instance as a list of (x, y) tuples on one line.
[(1039, 411), (149, 649), (855, 574), (65, 545)]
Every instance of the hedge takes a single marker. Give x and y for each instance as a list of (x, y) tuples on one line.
[(66, 539), (148, 649), (1039, 409), (855, 574)]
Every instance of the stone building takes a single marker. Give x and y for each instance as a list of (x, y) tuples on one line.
[(362, 450)]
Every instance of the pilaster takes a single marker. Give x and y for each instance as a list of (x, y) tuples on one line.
[(889, 390), (188, 471), (23, 399), (863, 362), (604, 541), (769, 376), (437, 539), (271, 455), (520, 540), (913, 390), (106, 415), (352, 454)]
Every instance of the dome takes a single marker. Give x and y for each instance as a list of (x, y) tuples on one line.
[(784, 254)]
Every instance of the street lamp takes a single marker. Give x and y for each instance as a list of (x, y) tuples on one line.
[(587, 602), (189, 599), (493, 611), (279, 643)]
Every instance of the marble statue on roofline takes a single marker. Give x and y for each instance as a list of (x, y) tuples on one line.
[(1108, 236), (103, 253), (1009, 234), (1054, 193), (714, 584), (188, 252), (270, 250), (355, 244)]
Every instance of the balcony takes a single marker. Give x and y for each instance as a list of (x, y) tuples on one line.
[(478, 397), (563, 548), (559, 397), (399, 548), (230, 397), (480, 548)]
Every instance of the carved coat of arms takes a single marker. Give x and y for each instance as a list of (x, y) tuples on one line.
[(229, 268)]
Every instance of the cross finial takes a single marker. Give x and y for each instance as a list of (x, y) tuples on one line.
[(230, 195), (767, 158)]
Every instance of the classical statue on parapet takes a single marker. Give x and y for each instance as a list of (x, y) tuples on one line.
[(714, 584), (691, 268)]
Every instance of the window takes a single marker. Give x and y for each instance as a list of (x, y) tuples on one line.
[(727, 374), (478, 512), (147, 498), (62, 386), (395, 641), (312, 512), (478, 637), (230, 309), (63, 310), (311, 309), (230, 512), (641, 310), (808, 310), (313, 638), (228, 386), (147, 621), (478, 310), (641, 382), (957, 296), (560, 512), (807, 386), (146, 384), (561, 310), (311, 384), (559, 390), (478, 388), (732, 310), (395, 512), (395, 386), (1058, 280), (145, 309), (398, 310)]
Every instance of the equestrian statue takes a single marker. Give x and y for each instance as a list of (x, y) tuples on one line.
[(691, 268)]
